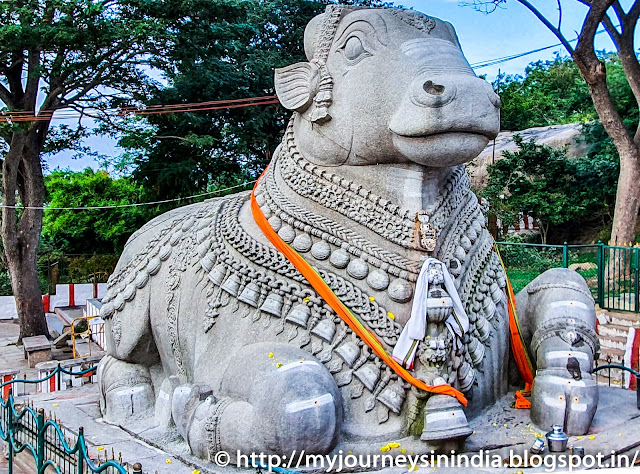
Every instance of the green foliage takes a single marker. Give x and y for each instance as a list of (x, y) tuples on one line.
[(229, 52), (536, 259), (556, 190), (89, 268), (553, 92), (102, 231)]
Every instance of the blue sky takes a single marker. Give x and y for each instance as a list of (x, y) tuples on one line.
[(506, 31)]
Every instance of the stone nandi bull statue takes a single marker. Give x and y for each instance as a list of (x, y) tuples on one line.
[(214, 331)]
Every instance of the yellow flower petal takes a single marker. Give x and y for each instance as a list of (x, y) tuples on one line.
[(168, 461), (579, 437), (55, 404), (349, 452), (278, 365), (384, 449), (100, 448), (371, 298), (391, 315), (403, 451), (195, 471), (270, 354), (394, 445), (592, 437), (305, 299)]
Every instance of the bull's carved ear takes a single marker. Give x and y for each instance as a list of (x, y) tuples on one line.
[(296, 85)]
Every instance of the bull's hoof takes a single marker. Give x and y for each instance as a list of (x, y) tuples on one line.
[(559, 399), (126, 390)]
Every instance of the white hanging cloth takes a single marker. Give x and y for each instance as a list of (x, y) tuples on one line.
[(414, 331)]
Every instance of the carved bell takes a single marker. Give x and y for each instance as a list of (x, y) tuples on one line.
[(232, 284), (466, 376), (484, 328), (368, 374), (444, 420), (299, 315), (217, 274), (392, 397), (208, 261), (349, 352), (250, 295), (489, 307), (476, 351), (273, 305), (325, 330)]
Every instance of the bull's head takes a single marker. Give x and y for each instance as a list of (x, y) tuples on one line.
[(386, 86)]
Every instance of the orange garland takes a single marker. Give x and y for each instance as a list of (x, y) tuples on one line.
[(329, 296)]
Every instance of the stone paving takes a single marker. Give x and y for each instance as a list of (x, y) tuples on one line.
[(501, 429)]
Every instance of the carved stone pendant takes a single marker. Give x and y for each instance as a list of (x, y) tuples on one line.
[(426, 233)]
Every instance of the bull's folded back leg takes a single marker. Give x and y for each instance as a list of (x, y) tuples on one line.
[(557, 313), (269, 406)]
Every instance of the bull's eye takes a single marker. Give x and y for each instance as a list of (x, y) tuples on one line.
[(354, 51)]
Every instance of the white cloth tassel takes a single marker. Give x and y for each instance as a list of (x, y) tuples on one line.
[(415, 330)]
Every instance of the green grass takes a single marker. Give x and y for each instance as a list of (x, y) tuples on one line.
[(521, 277)]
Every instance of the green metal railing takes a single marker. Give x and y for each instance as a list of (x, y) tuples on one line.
[(23, 428), (611, 272)]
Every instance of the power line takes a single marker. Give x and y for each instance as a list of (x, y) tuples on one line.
[(504, 59), (45, 115), (138, 204)]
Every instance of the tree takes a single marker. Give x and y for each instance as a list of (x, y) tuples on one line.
[(99, 231), (229, 53), (54, 54), (554, 189), (594, 71), (553, 92)]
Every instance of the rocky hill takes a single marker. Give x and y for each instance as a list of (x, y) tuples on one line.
[(555, 136)]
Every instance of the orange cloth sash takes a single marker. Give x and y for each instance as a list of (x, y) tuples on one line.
[(341, 310), (518, 346)]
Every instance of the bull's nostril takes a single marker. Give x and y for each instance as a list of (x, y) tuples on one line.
[(434, 89)]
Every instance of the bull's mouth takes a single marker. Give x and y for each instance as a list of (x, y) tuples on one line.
[(490, 135), (446, 148)]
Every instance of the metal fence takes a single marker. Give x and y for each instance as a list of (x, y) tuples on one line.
[(54, 449), (611, 272)]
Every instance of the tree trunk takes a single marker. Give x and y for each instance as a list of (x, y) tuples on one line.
[(22, 177), (625, 215), (628, 192)]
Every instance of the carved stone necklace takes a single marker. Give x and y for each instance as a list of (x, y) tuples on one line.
[(363, 206)]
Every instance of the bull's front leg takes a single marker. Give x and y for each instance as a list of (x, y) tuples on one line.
[(557, 315), (274, 399)]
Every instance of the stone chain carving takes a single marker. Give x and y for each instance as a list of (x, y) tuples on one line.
[(355, 202), (212, 427), (332, 232)]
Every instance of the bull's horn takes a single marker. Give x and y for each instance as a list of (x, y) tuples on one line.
[(296, 85)]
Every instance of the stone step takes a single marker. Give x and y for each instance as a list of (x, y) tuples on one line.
[(625, 319), (609, 355), (612, 330), (613, 342)]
